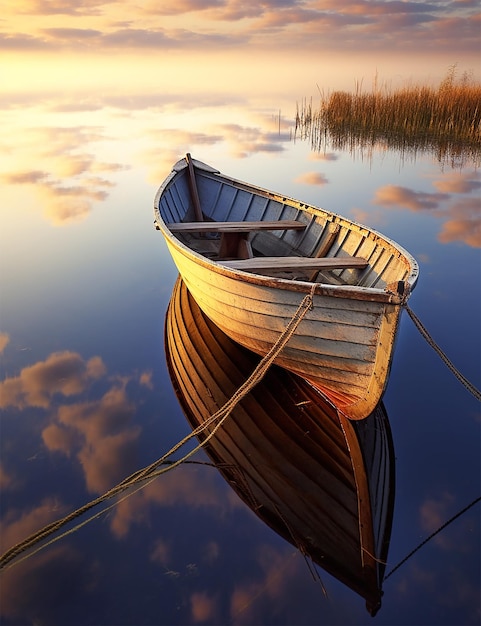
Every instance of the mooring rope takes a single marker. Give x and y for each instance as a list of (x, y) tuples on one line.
[(417, 322), (147, 474), (454, 517)]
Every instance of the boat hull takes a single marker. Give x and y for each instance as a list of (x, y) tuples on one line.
[(344, 344), (338, 346)]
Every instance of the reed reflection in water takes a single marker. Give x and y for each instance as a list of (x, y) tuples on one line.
[(415, 120)]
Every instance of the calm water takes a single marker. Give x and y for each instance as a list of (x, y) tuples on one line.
[(86, 398)]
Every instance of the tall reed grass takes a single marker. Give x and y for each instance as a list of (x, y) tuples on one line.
[(446, 118)]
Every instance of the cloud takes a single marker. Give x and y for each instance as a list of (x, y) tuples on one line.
[(60, 7), (176, 7), (69, 184), (198, 490), (73, 34), (395, 195), (6, 479), (211, 551), (461, 220), (65, 373), (361, 215), (24, 178), (368, 25), (279, 577), (125, 100), (312, 178), (459, 182), (433, 513), (161, 553), (101, 436), (241, 141), (59, 439), (16, 525), (223, 24), (246, 140), (32, 591), (323, 156), (146, 379), (133, 39), (380, 7), (4, 341), (63, 205), (21, 42), (374, 217), (464, 223), (204, 608), (160, 162)]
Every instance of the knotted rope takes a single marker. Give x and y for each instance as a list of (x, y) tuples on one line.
[(144, 476)]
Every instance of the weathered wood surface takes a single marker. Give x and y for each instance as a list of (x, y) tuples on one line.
[(332, 231), (285, 452), (335, 346), (194, 194), (234, 227), (280, 264)]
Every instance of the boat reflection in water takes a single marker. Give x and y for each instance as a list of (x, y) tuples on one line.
[(322, 482)]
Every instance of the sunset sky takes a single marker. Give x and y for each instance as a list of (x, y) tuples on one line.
[(79, 78), (233, 44)]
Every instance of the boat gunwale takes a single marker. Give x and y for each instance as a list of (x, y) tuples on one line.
[(340, 291), (349, 292)]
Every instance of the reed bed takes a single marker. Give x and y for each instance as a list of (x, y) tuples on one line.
[(446, 119)]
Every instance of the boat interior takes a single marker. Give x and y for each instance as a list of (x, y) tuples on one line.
[(258, 231)]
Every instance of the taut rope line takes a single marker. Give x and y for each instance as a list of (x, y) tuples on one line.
[(417, 322), (449, 521), (150, 472)]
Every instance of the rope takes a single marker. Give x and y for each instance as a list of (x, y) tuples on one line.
[(469, 386), (466, 508), (147, 474), (311, 566)]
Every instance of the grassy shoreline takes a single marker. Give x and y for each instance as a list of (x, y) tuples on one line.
[(446, 119)]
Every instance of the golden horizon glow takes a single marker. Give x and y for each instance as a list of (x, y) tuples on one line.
[(284, 75), (121, 39)]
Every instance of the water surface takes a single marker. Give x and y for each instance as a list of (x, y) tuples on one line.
[(86, 398)]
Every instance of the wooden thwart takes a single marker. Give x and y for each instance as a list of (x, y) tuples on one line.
[(234, 241), (233, 227), (288, 263)]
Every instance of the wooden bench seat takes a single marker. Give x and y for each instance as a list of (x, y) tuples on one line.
[(292, 263), (233, 227), (234, 242)]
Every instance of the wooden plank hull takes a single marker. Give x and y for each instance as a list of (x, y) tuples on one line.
[(323, 483), (344, 345)]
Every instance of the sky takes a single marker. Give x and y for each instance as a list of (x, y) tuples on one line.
[(193, 74), (226, 43)]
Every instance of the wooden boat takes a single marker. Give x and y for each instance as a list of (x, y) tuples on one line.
[(249, 256), (322, 482)]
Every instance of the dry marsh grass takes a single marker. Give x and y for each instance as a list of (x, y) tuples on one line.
[(446, 119)]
